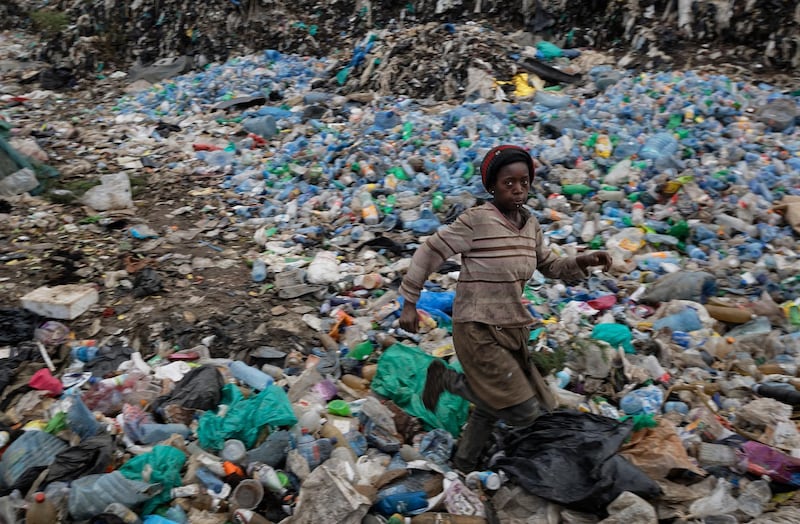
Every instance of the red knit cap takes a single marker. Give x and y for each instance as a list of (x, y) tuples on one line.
[(500, 156)]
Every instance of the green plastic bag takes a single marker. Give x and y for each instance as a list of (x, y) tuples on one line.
[(245, 417), (165, 464), (615, 334), (401, 378), (548, 51)]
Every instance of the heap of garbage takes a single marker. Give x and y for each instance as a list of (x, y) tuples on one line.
[(84, 38), (676, 373)]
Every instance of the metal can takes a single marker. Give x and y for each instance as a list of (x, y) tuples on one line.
[(486, 479)]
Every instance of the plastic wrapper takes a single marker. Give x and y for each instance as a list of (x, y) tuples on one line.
[(583, 449), (401, 378), (245, 417)]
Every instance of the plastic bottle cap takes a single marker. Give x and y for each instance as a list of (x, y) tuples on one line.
[(39, 497)]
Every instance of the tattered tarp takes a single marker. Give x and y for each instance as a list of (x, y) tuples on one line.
[(571, 458)]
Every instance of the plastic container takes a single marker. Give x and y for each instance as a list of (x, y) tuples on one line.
[(686, 320), (403, 503), (369, 212), (646, 400), (272, 451), (267, 476), (427, 223), (253, 377), (41, 511), (314, 450), (659, 146), (259, 270), (210, 480), (248, 494), (233, 450), (787, 395)]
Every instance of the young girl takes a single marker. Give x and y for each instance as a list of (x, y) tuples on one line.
[(501, 245)]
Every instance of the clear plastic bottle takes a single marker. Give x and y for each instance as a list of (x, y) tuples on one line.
[(637, 214), (255, 378), (659, 146), (369, 212)]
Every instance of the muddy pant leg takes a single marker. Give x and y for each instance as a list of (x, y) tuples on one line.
[(473, 440), (521, 415), (518, 415)]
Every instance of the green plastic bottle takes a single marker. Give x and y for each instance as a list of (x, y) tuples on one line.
[(437, 201), (575, 189)]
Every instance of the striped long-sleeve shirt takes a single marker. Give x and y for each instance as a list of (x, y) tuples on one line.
[(497, 259)]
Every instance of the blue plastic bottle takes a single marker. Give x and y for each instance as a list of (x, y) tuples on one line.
[(686, 320), (427, 223), (85, 353), (659, 146), (255, 378), (209, 480), (403, 503), (259, 272)]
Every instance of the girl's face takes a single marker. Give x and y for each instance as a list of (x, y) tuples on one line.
[(512, 186)]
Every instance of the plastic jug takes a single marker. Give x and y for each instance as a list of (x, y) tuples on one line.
[(41, 511)]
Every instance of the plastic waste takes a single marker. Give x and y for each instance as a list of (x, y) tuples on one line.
[(90, 495), (719, 502), (646, 400), (18, 182), (753, 497), (259, 270), (427, 223), (685, 285), (324, 269), (41, 510), (255, 378), (247, 494), (403, 503), (314, 450), (81, 421), (685, 320)]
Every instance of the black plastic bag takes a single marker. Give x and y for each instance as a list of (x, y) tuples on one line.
[(570, 458), (199, 389), (147, 282), (92, 455), (108, 360), (17, 325)]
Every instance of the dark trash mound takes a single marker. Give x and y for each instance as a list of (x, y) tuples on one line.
[(647, 33)]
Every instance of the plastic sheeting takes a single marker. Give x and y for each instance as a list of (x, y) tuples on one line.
[(571, 458), (401, 378), (245, 417), (163, 466)]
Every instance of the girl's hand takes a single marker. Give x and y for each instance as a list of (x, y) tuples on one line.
[(597, 258), (408, 318)]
